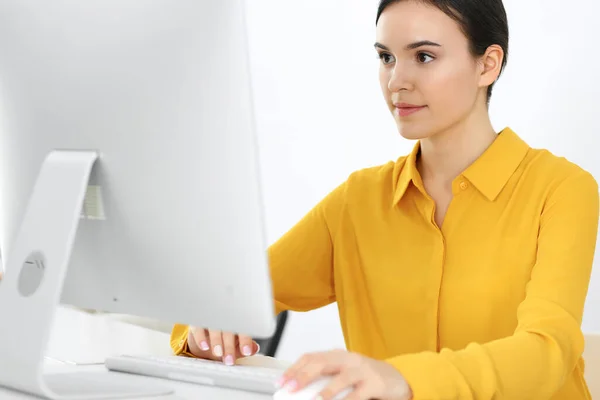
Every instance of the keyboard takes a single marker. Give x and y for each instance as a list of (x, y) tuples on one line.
[(203, 372)]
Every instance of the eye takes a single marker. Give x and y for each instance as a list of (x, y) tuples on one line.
[(424, 58), (386, 58)]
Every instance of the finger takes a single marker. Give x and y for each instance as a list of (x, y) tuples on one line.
[(313, 367), (216, 343), (342, 384), (288, 377), (332, 359), (247, 346), (229, 348), (360, 392), (200, 338)]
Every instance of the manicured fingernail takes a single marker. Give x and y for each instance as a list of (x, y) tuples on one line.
[(247, 351), (291, 385), (204, 346), (229, 360), (218, 351), (280, 381)]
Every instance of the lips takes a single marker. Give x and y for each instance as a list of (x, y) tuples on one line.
[(405, 109)]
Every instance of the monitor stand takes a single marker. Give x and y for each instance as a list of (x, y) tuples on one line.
[(31, 288)]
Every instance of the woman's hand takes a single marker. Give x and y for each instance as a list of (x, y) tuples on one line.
[(369, 378), (220, 346)]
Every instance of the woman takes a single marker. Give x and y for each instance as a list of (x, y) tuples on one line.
[(461, 270)]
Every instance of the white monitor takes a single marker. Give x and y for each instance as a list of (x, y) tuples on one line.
[(129, 170)]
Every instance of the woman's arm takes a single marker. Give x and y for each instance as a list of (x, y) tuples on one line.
[(300, 262)]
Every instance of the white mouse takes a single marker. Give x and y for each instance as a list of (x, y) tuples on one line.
[(310, 392)]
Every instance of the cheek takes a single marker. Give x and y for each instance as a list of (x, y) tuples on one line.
[(450, 91)]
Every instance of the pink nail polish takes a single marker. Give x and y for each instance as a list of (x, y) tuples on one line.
[(247, 351), (218, 351), (229, 360), (281, 381), (204, 346), (291, 385)]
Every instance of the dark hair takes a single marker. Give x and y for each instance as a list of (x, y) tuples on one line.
[(483, 22)]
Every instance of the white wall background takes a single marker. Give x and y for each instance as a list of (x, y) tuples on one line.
[(321, 115)]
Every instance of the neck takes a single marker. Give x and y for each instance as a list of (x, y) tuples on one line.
[(447, 154)]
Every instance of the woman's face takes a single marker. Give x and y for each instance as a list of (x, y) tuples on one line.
[(429, 78)]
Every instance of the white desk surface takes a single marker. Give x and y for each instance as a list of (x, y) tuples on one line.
[(87, 339)]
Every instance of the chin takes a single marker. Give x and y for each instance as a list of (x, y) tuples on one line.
[(413, 131)]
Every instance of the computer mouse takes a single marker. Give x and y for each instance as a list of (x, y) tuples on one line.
[(310, 392)]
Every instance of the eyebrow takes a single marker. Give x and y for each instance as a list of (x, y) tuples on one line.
[(411, 46)]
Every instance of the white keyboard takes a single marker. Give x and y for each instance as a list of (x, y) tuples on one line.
[(203, 372)]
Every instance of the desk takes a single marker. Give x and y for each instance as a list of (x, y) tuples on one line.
[(183, 391), (81, 341)]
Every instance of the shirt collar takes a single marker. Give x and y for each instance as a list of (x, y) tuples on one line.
[(489, 173), (406, 173)]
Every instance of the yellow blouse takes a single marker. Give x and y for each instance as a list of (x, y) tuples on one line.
[(487, 306)]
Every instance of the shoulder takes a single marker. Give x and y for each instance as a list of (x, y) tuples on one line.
[(552, 173), (369, 187), (373, 176), (375, 182)]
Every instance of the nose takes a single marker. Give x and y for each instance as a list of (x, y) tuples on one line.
[(399, 79)]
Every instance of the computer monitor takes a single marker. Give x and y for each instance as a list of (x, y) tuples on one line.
[(129, 171)]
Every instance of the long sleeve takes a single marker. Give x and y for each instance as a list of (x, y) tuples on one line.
[(300, 262), (535, 361)]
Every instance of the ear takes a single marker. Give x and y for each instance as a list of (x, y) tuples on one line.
[(491, 65)]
